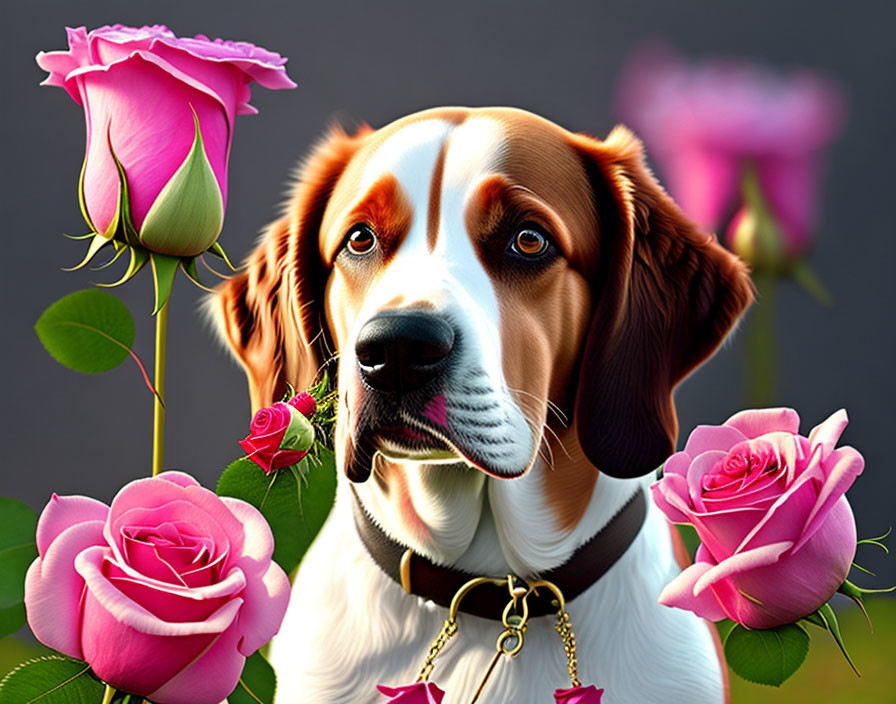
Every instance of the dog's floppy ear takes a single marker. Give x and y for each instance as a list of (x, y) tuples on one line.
[(666, 295), (270, 312)]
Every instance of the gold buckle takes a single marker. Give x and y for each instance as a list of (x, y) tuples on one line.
[(404, 570)]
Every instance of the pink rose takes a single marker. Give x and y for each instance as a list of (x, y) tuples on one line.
[(579, 695), (139, 88), (165, 593), (778, 536), (705, 121), (417, 693), (279, 436)]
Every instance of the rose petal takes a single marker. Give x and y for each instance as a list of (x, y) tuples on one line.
[(679, 593), (53, 588), (259, 541), (133, 660), (677, 464), (783, 519), (112, 107), (266, 597), (713, 437), (847, 465), (701, 465), (756, 422), (179, 478), (209, 679), (145, 495), (827, 433), (144, 558), (750, 559), (62, 512), (187, 516), (668, 496), (89, 565)]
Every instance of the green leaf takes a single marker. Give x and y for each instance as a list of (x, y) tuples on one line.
[(257, 683), (88, 331), (52, 679), (294, 501), (766, 656), (11, 620), (18, 523)]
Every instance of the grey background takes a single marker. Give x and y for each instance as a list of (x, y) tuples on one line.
[(376, 61)]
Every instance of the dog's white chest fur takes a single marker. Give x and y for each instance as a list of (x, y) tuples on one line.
[(349, 627)]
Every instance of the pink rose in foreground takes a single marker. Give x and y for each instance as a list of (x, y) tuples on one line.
[(417, 693), (280, 436), (139, 88), (705, 121), (579, 695), (165, 593), (778, 536)]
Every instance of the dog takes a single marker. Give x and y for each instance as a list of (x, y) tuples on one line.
[(509, 306)]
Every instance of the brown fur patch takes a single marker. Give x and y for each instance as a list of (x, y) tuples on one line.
[(435, 199)]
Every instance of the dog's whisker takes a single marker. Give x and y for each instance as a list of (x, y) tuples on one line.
[(551, 406)]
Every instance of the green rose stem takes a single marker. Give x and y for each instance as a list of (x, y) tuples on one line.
[(760, 343), (109, 693), (158, 418)]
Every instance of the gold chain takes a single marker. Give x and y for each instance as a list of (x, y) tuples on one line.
[(448, 629), (569, 646), (515, 622)]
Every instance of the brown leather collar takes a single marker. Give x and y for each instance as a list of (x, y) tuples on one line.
[(438, 583)]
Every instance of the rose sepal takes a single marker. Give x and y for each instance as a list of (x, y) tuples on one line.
[(825, 618), (186, 217), (164, 225)]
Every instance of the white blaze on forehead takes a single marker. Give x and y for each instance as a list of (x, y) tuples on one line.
[(476, 149), (452, 271)]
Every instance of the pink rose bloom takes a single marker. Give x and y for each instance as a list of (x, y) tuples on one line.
[(704, 121), (279, 436), (579, 695), (139, 88), (778, 536), (165, 593), (417, 693)]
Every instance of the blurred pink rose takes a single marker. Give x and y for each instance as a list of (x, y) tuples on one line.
[(417, 693), (579, 695), (138, 88), (165, 593), (778, 535), (705, 121)]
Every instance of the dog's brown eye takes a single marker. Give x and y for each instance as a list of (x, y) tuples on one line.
[(361, 240), (529, 242)]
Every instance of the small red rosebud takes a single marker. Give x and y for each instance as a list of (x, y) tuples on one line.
[(304, 403)]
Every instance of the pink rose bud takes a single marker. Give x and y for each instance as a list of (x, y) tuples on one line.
[(165, 593), (279, 436), (417, 693), (304, 403), (165, 107), (778, 536), (579, 695)]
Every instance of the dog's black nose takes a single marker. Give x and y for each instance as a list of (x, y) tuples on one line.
[(403, 350)]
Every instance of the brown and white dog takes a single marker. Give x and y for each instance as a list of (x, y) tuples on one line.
[(511, 306)]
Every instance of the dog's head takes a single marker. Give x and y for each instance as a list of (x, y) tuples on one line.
[(473, 269)]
